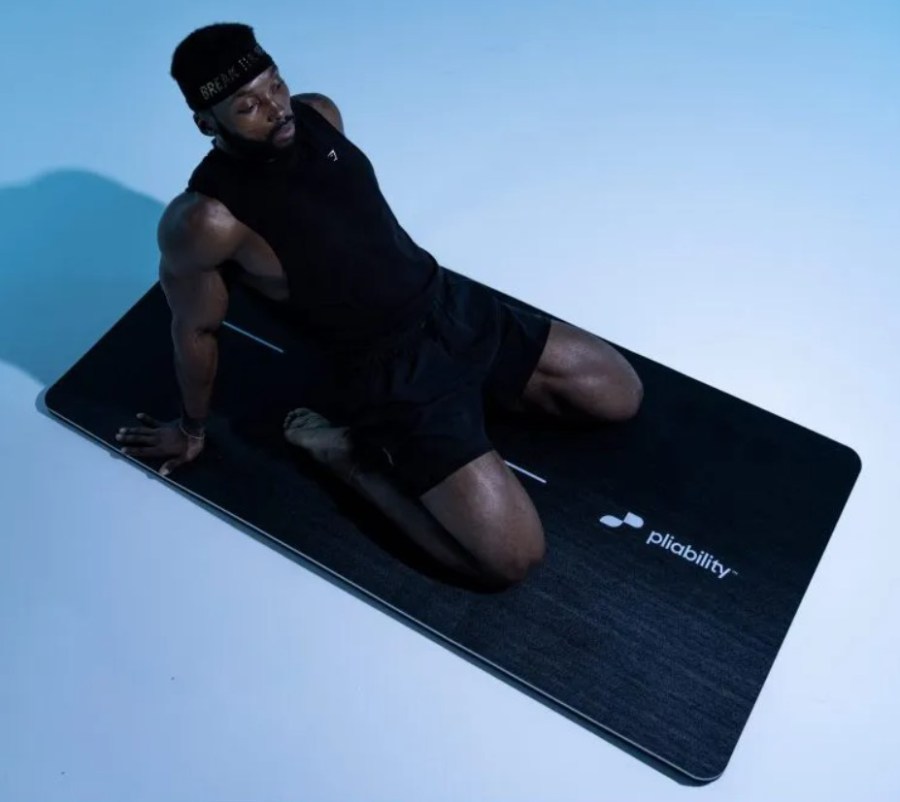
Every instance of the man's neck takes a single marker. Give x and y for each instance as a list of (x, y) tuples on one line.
[(228, 150)]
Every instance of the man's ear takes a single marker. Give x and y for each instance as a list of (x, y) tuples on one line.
[(205, 128)]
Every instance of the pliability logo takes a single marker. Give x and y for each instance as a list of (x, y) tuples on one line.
[(700, 558)]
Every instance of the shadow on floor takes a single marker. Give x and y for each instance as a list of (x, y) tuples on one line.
[(76, 251)]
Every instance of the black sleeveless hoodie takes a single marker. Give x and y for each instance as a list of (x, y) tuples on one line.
[(354, 274)]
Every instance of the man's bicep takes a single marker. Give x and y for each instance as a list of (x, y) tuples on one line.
[(198, 297), (194, 245)]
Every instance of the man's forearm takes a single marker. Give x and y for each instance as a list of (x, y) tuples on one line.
[(196, 360)]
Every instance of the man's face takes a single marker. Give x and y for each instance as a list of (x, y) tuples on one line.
[(256, 120)]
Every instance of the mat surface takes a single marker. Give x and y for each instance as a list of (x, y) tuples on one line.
[(679, 543)]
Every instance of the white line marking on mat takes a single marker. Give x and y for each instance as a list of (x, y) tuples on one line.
[(527, 473), (252, 336)]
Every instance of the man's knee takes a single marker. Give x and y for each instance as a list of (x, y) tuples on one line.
[(609, 395), (512, 569), (627, 398), (511, 550)]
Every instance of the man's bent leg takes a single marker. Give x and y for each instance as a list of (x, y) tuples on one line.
[(582, 376), (331, 446), (418, 524), (484, 507)]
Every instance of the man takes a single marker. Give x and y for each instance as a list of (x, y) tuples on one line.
[(288, 198)]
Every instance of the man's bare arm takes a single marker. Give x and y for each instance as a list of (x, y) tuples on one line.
[(194, 241)]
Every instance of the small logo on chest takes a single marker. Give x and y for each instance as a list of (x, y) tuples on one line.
[(332, 155)]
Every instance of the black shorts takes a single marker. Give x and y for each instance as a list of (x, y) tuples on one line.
[(415, 407)]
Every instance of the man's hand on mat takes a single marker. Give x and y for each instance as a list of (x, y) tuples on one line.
[(157, 439)]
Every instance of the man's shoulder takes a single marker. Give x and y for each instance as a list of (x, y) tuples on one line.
[(196, 227), (324, 105), (192, 214)]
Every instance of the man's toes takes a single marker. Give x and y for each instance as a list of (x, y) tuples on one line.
[(305, 418), (294, 415), (308, 429)]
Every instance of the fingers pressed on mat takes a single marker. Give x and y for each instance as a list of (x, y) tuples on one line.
[(141, 451), (136, 438)]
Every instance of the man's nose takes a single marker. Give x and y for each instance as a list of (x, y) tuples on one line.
[(278, 113)]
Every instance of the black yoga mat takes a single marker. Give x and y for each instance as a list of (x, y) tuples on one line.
[(679, 543)]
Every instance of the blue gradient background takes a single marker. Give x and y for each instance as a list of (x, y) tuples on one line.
[(712, 185)]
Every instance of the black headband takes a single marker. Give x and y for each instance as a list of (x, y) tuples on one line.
[(218, 81)]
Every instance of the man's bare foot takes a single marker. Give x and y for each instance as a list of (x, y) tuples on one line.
[(322, 440)]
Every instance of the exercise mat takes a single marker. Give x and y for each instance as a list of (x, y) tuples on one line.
[(679, 543)]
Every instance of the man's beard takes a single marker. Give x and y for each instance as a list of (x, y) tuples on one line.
[(253, 149)]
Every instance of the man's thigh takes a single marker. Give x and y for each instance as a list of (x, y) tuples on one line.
[(485, 508), (580, 373)]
